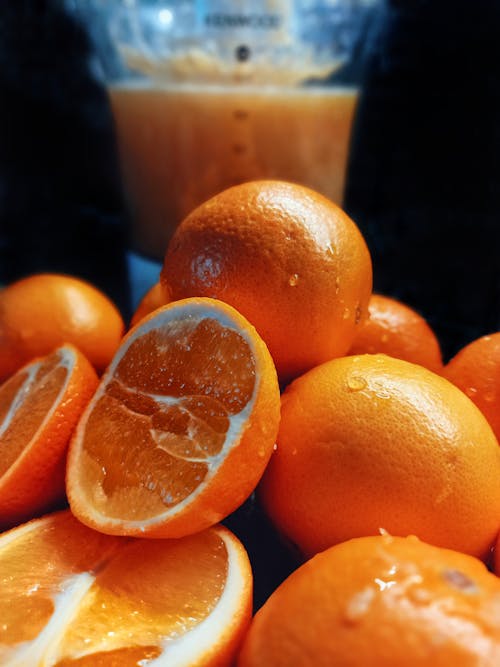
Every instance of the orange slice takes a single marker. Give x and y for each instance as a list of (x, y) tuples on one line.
[(181, 426), (39, 408), (85, 599)]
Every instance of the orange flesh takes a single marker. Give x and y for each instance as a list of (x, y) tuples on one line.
[(33, 569), (177, 136), (149, 592), (125, 657), (154, 434), (25, 401), (145, 593)]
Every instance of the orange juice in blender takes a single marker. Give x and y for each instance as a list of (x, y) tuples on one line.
[(181, 145), (209, 93)]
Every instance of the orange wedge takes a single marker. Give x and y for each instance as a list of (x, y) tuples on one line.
[(71, 596), (39, 408), (181, 426)]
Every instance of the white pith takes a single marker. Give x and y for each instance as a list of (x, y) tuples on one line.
[(42, 651), (197, 312)]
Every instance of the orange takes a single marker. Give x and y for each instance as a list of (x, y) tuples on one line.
[(380, 601), (181, 427), (39, 408), (289, 260), (395, 329), (475, 369), (43, 311), (370, 442), (155, 297), (91, 600)]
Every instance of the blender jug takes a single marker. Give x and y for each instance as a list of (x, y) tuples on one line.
[(206, 94)]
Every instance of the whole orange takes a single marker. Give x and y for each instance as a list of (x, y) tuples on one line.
[(181, 427), (43, 311), (288, 259), (395, 329), (475, 369), (380, 601), (371, 442)]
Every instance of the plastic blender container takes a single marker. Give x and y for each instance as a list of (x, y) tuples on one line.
[(206, 94)]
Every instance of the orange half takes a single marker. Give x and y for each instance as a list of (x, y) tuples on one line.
[(71, 596), (181, 427), (39, 408)]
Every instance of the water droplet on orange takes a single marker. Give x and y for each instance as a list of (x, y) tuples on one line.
[(356, 383)]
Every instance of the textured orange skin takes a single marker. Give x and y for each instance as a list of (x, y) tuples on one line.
[(155, 297), (289, 260), (43, 311), (238, 474), (342, 609), (476, 371), (369, 442), (395, 329), (36, 481)]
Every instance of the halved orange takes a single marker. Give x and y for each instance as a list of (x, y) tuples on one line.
[(39, 408), (71, 596), (181, 427)]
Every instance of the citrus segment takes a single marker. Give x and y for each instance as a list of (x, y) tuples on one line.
[(39, 408), (40, 565), (103, 600), (181, 427), (380, 600), (369, 442)]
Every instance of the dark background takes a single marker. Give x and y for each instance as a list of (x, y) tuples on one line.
[(424, 178), (425, 174), (61, 207)]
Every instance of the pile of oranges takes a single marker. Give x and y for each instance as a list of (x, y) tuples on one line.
[(259, 375)]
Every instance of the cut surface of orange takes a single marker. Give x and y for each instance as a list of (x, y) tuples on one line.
[(71, 596), (181, 426), (39, 409)]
